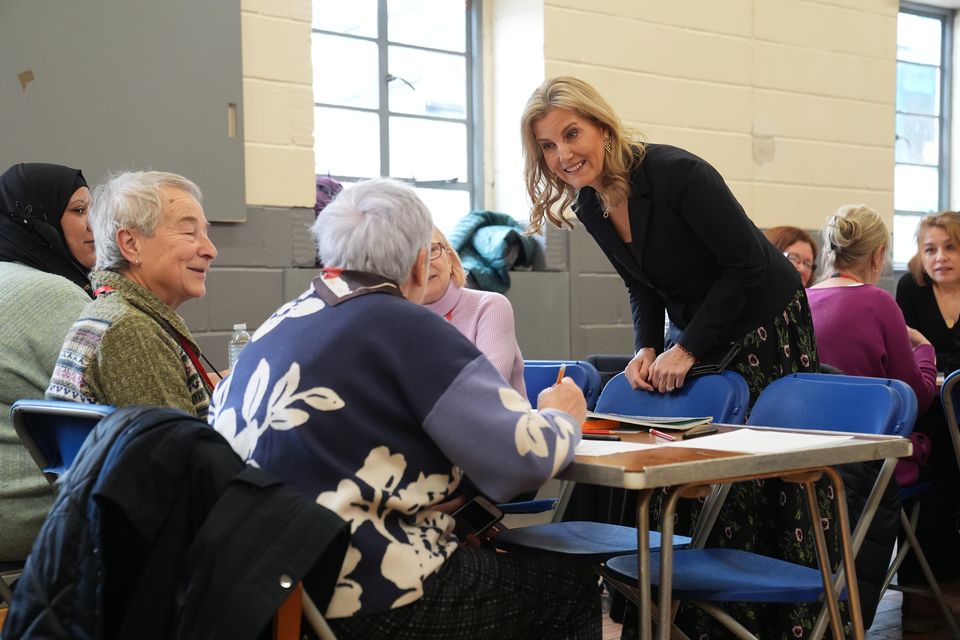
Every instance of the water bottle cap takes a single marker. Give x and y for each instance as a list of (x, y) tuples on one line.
[(240, 326)]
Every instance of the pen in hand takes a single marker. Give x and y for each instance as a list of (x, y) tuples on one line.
[(563, 369)]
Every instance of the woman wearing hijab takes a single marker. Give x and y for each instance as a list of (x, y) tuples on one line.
[(46, 252)]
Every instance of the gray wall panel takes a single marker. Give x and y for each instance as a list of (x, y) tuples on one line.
[(126, 84)]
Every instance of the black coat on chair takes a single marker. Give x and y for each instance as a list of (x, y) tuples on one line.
[(159, 530)]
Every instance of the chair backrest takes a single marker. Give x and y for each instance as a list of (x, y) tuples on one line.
[(540, 374), (827, 402), (950, 396), (608, 365), (908, 397), (724, 396), (53, 430)]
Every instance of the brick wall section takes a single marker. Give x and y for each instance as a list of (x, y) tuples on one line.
[(267, 259), (792, 100)]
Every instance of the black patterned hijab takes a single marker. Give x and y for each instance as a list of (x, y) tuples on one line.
[(33, 198)]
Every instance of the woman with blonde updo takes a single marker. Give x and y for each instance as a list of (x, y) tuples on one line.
[(879, 343), (861, 330)]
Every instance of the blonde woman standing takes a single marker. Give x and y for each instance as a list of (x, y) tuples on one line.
[(681, 242)]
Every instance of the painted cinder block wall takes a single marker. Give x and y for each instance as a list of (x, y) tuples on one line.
[(792, 100), (267, 259)]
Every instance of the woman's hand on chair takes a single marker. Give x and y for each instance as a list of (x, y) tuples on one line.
[(670, 369), (638, 369)]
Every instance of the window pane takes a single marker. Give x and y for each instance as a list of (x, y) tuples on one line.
[(904, 240), (918, 38), (345, 71), (346, 142), (918, 89), (428, 150), (425, 83), (918, 140), (446, 205), (915, 188), (437, 24), (356, 17)]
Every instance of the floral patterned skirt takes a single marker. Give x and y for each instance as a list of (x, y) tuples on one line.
[(784, 345), (765, 516)]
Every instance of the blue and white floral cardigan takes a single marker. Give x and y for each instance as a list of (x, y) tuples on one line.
[(377, 407)]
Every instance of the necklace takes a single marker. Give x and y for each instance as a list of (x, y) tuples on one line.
[(603, 207), (948, 304), (841, 274)]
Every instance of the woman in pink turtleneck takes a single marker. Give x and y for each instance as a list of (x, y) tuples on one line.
[(484, 317)]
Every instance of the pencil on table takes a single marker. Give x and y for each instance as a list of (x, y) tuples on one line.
[(563, 369)]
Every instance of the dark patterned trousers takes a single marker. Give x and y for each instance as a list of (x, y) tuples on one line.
[(480, 593)]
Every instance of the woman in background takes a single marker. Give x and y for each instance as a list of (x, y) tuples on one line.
[(798, 247), (929, 296), (46, 251), (484, 317), (129, 346), (878, 343)]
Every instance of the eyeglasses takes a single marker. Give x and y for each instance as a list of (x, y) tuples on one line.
[(436, 250), (797, 261)]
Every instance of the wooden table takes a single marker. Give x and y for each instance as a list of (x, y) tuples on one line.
[(684, 470)]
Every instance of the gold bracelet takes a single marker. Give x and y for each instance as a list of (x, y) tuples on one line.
[(686, 351)]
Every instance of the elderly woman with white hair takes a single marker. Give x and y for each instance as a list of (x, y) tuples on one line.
[(129, 346), (376, 407)]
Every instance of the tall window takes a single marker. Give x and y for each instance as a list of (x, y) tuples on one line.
[(394, 85), (921, 176)]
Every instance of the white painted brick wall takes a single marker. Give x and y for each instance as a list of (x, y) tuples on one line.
[(278, 102), (792, 100)]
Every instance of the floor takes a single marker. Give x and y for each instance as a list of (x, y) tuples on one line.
[(886, 624)]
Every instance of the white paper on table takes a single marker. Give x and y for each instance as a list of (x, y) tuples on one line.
[(609, 447), (753, 441)]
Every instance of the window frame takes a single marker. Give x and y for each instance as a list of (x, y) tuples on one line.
[(472, 62), (946, 18)]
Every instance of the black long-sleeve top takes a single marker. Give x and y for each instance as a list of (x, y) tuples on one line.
[(694, 253), (920, 310)]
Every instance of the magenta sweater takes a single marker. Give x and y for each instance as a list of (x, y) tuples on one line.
[(861, 331), (486, 319)]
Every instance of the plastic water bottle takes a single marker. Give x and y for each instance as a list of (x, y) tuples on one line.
[(238, 341)]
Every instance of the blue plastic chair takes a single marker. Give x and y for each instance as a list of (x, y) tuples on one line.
[(540, 374), (53, 430), (950, 396), (804, 401), (723, 396), (908, 399), (537, 376)]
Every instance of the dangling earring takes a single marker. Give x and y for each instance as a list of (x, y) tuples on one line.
[(607, 144)]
